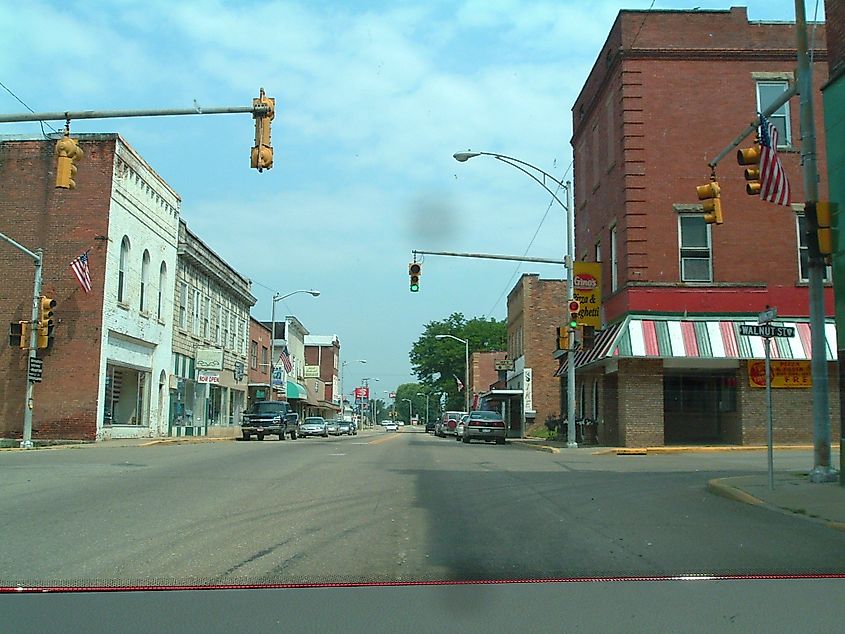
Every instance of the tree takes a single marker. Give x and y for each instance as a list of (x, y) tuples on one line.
[(437, 362)]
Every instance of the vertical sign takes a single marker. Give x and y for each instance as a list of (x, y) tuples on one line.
[(588, 293), (527, 394)]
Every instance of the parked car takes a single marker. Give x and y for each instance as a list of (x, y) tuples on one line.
[(272, 418), (459, 428), (344, 427), (314, 426), (430, 425), (486, 426), (333, 426), (449, 423), (389, 425)]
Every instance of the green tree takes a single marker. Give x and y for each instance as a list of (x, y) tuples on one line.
[(437, 362)]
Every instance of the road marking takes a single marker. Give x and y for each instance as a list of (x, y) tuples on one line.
[(383, 439)]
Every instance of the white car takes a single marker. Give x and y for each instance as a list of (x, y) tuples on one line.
[(389, 425)]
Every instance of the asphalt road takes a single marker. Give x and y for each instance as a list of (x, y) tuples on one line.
[(385, 507)]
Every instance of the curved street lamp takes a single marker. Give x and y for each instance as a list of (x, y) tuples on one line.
[(277, 297), (410, 410), (541, 177), (466, 359), (343, 365)]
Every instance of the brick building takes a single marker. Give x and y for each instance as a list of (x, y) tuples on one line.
[(532, 392), (322, 355), (107, 369), (669, 90), (483, 373), (258, 369)]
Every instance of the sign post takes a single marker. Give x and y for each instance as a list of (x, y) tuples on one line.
[(767, 331)]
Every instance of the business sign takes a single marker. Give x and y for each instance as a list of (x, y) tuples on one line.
[(392, 394), (362, 393), (278, 376), (209, 359), (527, 391), (204, 376), (587, 290), (312, 371), (766, 330), (503, 364), (784, 374), (239, 372)]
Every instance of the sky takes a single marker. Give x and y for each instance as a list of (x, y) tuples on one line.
[(372, 100)]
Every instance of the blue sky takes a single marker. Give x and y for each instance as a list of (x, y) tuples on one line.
[(372, 100)]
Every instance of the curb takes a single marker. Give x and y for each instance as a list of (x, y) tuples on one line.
[(638, 451), (535, 446), (185, 440), (718, 487)]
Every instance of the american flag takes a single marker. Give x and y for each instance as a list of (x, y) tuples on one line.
[(459, 382), (774, 185), (284, 357), (79, 266)]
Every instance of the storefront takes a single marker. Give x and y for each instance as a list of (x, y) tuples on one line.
[(509, 403), (127, 397)]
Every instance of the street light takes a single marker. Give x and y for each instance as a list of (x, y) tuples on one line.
[(366, 381), (343, 365), (426, 406), (533, 171), (466, 359), (410, 410), (277, 298)]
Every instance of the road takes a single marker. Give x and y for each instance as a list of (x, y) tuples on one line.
[(385, 507)]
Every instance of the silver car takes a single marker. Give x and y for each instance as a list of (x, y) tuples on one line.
[(486, 426), (314, 426)]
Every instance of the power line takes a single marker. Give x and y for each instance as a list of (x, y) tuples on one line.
[(20, 101)]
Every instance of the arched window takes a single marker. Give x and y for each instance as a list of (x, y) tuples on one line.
[(162, 285), (124, 262), (145, 279)]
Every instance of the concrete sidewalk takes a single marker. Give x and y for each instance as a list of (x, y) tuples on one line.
[(554, 446)]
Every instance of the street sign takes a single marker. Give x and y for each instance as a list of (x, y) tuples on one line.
[(36, 369), (767, 315), (503, 364), (392, 394), (766, 330)]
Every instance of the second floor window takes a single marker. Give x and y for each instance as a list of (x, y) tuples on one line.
[(121, 274), (145, 282), (253, 355), (694, 238), (195, 320), (183, 305), (767, 92), (206, 316), (614, 261)]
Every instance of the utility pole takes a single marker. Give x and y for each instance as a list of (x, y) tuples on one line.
[(29, 402)]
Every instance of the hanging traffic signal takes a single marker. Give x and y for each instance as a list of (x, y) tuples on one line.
[(414, 270), (562, 338), (824, 211), (750, 156), (710, 195), (45, 321), (574, 309), (19, 334), (68, 154), (261, 157)]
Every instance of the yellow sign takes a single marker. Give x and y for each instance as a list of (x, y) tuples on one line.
[(784, 374), (588, 292), (312, 371)]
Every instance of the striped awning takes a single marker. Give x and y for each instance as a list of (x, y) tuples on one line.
[(665, 338)]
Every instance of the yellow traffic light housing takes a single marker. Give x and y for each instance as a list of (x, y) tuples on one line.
[(750, 156), (68, 154), (710, 195), (414, 271), (261, 157), (45, 321), (19, 334), (563, 338), (823, 214)]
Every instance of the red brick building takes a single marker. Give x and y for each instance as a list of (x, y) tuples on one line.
[(258, 361), (322, 356), (668, 91)]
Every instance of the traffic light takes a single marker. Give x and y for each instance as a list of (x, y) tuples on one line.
[(825, 233), (562, 338), (750, 156), (68, 154), (710, 195), (261, 157), (414, 270), (45, 321), (19, 334), (574, 309)]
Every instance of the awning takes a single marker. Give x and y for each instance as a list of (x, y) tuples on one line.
[(668, 337), (295, 390)]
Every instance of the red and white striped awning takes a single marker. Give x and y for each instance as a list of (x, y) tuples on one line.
[(668, 337)]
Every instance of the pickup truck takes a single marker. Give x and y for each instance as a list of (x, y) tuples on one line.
[(270, 417)]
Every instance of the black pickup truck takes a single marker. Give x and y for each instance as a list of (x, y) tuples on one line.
[(270, 417)]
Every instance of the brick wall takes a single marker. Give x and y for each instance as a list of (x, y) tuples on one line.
[(64, 223), (259, 333), (640, 402), (834, 11), (482, 370)]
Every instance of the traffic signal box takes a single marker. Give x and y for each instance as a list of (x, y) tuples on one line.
[(261, 157), (414, 270), (19, 334), (750, 156), (45, 321), (562, 337), (68, 154), (710, 197), (574, 307)]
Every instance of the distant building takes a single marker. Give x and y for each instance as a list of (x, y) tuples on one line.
[(258, 372), (482, 372), (322, 354)]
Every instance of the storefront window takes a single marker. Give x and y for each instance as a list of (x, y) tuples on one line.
[(127, 397)]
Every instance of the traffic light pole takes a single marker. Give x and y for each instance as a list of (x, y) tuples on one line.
[(122, 114), (490, 256), (570, 295), (26, 442)]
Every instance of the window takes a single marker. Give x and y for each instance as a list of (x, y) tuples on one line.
[(598, 252), (206, 316), (253, 355), (121, 274), (225, 327), (695, 249), (195, 318), (610, 133), (183, 305), (803, 257), (614, 276), (767, 92), (594, 147), (217, 317), (145, 275), (596, 392), (162, 285), (264, 354)]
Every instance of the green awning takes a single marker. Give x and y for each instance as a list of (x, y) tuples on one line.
[(295, 390)]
